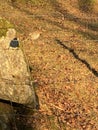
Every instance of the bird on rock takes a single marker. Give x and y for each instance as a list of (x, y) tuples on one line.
[(14, 43)]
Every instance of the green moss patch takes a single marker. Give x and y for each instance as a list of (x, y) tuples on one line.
[(4, 25)]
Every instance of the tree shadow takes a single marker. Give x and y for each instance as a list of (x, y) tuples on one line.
[(80, 21), (87, 23), (78, 58), (86, 5), (15, 116), (16, 6), (86, 34), (64, 12)]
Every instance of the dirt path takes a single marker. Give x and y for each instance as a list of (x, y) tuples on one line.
[(64, 62)]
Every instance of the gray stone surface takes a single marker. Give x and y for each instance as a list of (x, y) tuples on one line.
[(15, 84)]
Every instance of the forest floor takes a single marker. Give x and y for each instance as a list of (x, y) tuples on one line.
[(63, 61)]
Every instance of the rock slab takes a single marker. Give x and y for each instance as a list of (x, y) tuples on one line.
[(15, 81)]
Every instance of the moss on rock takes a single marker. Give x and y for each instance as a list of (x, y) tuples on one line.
[(4, 26)]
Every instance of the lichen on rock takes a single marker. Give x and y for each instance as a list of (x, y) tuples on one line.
[(15, 81)]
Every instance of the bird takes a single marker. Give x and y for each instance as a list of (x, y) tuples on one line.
[(35, 35), (14, 43)]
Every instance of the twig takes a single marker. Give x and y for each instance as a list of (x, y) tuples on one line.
[(55, 106)]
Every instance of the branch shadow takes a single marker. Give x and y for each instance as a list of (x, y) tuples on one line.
[(77, 57), (63, 11), (81, 21), (86, 5), (16, 6)]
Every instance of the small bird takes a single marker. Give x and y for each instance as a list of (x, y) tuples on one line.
[(35, 35), (14, 43)]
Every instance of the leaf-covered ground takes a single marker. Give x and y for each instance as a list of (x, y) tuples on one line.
[(63, 61)]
